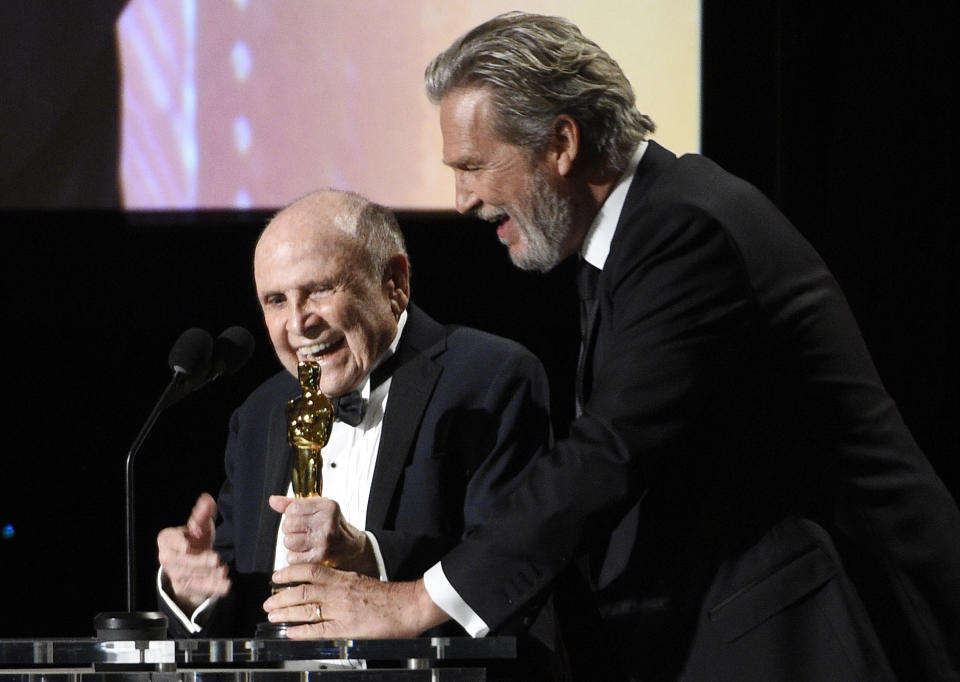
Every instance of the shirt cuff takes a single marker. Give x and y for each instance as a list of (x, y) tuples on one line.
[(444, 596), (381, 567), (190, 624)]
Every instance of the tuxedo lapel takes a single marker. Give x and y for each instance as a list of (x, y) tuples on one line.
[(410, 390), (651, 165), (615, 553), (654, 160), (276, 478)]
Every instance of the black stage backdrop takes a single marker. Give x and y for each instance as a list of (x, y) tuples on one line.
[(839, 115)]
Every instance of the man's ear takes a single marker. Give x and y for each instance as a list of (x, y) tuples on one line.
[(396, 283), (566, 142)]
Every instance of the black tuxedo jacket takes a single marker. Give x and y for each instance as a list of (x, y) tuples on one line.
[(740, 484), (467, 413)]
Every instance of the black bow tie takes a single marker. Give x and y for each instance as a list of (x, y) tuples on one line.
[(349, 408)]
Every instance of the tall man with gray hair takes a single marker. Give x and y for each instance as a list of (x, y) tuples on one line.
[(738, 485)]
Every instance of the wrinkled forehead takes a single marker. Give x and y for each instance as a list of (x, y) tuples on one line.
[(294, 243), (298, 227)]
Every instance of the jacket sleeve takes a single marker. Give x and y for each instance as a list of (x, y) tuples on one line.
[(484, 428)]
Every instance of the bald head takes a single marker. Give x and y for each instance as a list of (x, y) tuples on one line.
[(327, 214), (332, 278)]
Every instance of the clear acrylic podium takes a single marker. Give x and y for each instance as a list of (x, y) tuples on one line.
[(222, 660)]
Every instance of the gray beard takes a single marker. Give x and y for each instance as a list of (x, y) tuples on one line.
[(546, 228)]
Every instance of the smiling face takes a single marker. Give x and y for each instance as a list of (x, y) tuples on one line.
[(319, 300), (501, 183)]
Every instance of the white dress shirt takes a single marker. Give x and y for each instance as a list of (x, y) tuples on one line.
[(350, 458), (595, 249)]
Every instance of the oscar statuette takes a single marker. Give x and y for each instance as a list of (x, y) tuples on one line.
[(309, 421)]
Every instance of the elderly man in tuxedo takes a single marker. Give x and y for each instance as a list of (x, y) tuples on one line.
[(451, 417), (739, 487)]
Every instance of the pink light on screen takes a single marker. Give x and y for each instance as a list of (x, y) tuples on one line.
[(159, 155), (253, 103)]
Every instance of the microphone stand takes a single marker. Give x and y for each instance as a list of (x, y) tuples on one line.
[(132, 624), (196, 361), (130, 507)]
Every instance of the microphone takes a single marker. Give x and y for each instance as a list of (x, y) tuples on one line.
[(191, 356), (196, 360), (231, 351)]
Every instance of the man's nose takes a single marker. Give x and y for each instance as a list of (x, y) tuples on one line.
[(302, 320), (467, 199)]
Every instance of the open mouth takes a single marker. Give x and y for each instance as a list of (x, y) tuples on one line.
[(495, 216), (318, 351), (498, 219)]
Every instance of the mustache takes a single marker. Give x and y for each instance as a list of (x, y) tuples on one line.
[(490, 216)]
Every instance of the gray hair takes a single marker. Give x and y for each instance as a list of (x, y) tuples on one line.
[(375, 227), (536, 68)]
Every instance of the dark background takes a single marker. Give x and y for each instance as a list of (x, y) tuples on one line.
[(840, 115)]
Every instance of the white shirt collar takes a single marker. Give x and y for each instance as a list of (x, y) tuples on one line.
[(596, 245), (364, 386)]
